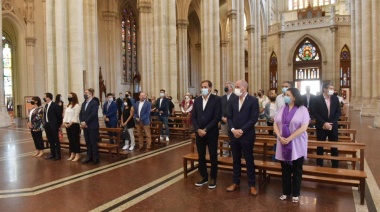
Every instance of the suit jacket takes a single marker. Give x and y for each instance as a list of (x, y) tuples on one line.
[(225, 104), (320, 112), (164, 106), (54, 115), (304, 100), (111, 112), (90, 114), (119, 102), (245, 119), (208, 118), (145, 112)]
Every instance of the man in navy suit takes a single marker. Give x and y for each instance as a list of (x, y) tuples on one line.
[(110, 114), (229, 90), (142, 116), (206, 114), (162, 105), (326, 111), (89, 122), (53, 121), (243, 113)]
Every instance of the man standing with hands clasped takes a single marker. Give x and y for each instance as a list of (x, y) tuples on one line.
[(243, 113), (205, 117)]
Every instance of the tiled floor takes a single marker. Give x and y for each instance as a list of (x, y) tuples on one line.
[(152, 181)]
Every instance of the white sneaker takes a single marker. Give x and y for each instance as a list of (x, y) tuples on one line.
[(162, 137), (167, 138), (295, 199), (131, 148), (283, 197), (126, 147)]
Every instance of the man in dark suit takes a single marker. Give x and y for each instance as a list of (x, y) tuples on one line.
[(89, 122), (162, 105), (53, 121), (205, 117), (243, 113), (119, 103), (326, 111), (110, 114), (229, 90), (142, 116), (308, 98)]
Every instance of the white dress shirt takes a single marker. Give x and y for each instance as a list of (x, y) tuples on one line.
[(140, 107)]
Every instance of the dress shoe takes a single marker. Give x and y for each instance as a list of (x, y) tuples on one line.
[(201, 182), (253, 191), (57, 158), (212, 184), (95, 162), (50, 157), (232, 187), (86, 160)]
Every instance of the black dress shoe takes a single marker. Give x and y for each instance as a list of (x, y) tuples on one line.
[(57, 158), (86, 160), (95, 162), (50, 157)]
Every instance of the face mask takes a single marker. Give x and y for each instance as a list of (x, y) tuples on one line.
[(287, 100), (85, 96), (331, 92), (126, 96), (204, 91), (226, 89), (110, 99), (259, 94), (335, 94), (272, 99), (162, 94), (215, 93), (70, 99), (60, 98), (237, 92), (187, 98), (126, 103), (284, 90), (33, 103), (44, 99)]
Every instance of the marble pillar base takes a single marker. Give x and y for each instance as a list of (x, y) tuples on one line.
[(376, 123), (370, 108), (4, 117), (358, 106)]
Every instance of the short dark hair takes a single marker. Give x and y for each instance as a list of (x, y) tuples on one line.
[(289, 83), (208, 81), (326, 85), (297, 95), (37, 100), (162, 90), (109, 94), (57, 98), (49, 95), (216, 90), (91, 90)]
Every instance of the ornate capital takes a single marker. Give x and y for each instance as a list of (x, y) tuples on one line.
[(232, 14), (333, 28), (144, 6), (7, 5), (250, 29), (109, 16), (182, 24), (30, 41), (281, 34)]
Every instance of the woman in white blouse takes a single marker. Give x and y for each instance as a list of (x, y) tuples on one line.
[(71, 123)]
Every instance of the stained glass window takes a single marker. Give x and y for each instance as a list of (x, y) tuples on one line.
[(345, 67), (300, 4), (307, 61), (273, 74), (129, 44), (7, 62), (307, 52)]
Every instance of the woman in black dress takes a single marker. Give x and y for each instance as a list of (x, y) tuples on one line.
[(128, 123)]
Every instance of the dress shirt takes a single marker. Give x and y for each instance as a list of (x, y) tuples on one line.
[(47, 109), (140, 107), (204, 103), (72, 114), (328, 102), (241, 101)]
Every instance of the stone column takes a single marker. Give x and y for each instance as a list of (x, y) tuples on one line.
[(264, 78), (251, 57), (210, 35), (375, 88), (334, 75), (358, 59), (30, 44), (257, 84), (145, 53), (183, 57), (224, 62), (4, 116), (353, 53), (236, 44), (198, 74)]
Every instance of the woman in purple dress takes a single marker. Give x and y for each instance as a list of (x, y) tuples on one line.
[(290, 125)]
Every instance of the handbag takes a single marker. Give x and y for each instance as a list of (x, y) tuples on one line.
[(124, 134)]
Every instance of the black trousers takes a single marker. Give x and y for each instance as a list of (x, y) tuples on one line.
[(211, 141), (332, 136), (245, 146), (37, 138), (91, 136), (52, 136), (73, 134), (287, 170)]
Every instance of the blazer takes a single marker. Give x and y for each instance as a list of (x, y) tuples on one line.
[(245, 119), (89, 115), (320, 112), (208, 118), (164, 107), (120, 104), (111, 112), (225, 104), (54, 115), (145, 112), (304, 100)]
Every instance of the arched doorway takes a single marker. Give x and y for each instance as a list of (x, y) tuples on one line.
[(307, 66)]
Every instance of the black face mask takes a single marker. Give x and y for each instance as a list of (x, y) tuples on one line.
[(335, 94), (70, 99), (259, 94), (126, 96), (44, 99), (32, 103), (226, 89), (85, 96), (272, 99)]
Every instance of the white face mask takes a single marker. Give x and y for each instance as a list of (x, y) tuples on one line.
[(162, 94), (331, 92), (204, 91), (126, 103), (187, 98), (237, 92), (110, 99)]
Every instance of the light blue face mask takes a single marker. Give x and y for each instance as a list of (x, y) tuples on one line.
[(287, 99), (284, 90), (204, 91)]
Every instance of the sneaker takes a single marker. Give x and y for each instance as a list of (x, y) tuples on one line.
[(295, 199), (131, 148), (161, 137), (126, 147), (167, 139), (212, 184), (201, 182), (283, 197)]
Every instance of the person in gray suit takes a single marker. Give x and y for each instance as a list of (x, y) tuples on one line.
[(228, 89)]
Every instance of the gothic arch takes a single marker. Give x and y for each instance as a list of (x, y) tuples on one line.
[(316, 41)]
